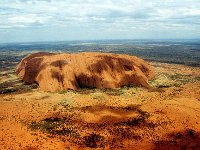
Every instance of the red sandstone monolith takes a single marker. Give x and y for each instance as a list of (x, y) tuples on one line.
[(57, 72)]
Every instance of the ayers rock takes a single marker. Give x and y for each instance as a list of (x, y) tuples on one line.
[(57, 72)]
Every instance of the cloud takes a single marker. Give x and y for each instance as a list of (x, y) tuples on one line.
[(101, 10), (102, 15), (27, 19)]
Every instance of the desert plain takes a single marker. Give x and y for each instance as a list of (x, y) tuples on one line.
[(121, 118)]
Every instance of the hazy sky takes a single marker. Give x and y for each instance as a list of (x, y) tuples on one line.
[(47, 20)]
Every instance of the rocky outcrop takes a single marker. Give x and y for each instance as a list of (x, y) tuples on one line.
[(57, 72)]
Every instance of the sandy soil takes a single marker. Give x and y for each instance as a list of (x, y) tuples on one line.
[(126, 118)]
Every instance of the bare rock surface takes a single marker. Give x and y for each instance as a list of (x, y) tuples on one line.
[(57, 72)]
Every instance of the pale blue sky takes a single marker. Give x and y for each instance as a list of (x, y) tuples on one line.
[(59, 20)]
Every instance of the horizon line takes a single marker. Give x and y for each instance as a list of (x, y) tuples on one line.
[(142, 39)]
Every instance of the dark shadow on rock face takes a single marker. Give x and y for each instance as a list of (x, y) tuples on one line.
[(188, 139), (31, 65), (59, 63), (85, 81), (122, 63), (31, 73), (58, 76), (113, 66)]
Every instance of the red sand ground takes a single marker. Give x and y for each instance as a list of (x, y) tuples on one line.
[(127, 118)]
